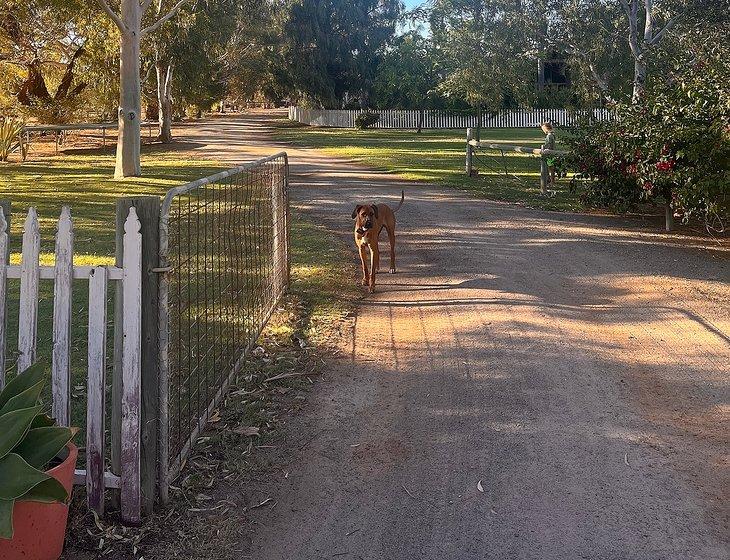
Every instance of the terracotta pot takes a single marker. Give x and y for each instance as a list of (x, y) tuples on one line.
[(40, 529)]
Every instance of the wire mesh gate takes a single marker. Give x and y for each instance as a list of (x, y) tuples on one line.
[(224, 251)]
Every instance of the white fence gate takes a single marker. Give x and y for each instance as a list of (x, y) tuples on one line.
[(95, 476), (409, 118)]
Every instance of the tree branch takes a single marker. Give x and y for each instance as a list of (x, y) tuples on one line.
[(632, 13), (145, 4), (648, 21), (667, 27), (163, 19), (112, 14)]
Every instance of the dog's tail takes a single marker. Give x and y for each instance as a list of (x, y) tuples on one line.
[(402, 198)]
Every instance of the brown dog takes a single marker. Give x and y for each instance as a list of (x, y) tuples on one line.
[(370, 219)]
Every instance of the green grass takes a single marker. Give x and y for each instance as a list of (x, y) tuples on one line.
[(85, 182), (437, 156)]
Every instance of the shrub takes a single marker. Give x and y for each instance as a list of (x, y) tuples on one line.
[(366, 119), (673, 146), (11, 139), (29, 441)]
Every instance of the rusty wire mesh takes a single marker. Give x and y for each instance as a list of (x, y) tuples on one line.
[(225, 242)]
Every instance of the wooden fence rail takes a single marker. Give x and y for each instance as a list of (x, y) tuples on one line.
[(60, 130), (410, 118), (95, 476)]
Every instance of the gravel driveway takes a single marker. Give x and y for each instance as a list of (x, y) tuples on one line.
[(529, 385)]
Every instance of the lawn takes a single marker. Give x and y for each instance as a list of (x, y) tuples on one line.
[(437, 156), (84, 181)]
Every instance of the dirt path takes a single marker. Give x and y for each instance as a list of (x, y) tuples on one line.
[(577, 366)]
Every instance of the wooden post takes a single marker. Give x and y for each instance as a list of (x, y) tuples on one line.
[(29, 279), (132, 409), (148, 211), (668, 217), (62, 311), (469, 153), (543, 175), (4, 260), (96, 404), (7, 212)]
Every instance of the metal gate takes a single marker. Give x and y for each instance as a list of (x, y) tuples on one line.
[(224, 251)]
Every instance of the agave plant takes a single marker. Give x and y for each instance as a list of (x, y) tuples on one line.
[(11, 138), (29, 441)]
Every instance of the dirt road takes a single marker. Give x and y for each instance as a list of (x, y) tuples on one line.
[(575, 368)]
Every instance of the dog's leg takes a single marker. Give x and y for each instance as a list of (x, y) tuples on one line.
[(363, 260), (391, 238), (374, 264)]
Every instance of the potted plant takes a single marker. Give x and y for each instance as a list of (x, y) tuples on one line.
[(37, 462)]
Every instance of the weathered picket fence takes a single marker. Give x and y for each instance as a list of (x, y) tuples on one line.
[(199, 276), (410, 118), (30, 273)]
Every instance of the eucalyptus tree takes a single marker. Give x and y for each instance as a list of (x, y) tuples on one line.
[(129, 21), (188, 56), (483, 50), (253, 61), (620, 42), (41, 43), (407, 77), (332, 47)]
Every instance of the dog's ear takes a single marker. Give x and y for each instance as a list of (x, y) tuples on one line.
[(375, 210), (356, 210)]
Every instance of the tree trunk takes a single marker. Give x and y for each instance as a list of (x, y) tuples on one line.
[(540, 73), (34, 86), (128, 140), (164, 100), (639, 78), (420, 121), (479, 122)]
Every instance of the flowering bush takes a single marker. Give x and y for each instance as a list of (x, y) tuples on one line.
[(673, 146)]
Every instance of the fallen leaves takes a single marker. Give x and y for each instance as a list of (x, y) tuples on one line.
[(247, 430)]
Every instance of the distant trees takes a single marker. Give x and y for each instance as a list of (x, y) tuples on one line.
[(407, 77), (332, 48), (39, 55), (187, 56)]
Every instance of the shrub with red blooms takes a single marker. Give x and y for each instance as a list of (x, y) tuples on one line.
[(671, 147)]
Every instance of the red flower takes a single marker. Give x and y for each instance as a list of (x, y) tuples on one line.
[(666, 165), (648, 185)]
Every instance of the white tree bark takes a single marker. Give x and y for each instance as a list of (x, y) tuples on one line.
[(129, 22), (641, 48), (164, 99), (130, 108)]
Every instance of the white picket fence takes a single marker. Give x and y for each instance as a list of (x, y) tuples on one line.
[(95, 476), (408, 119)]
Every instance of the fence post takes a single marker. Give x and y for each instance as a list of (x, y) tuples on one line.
[(148, 211), (543, 175), (668, 217), (29, 279), (469, 153), (5, 205)]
